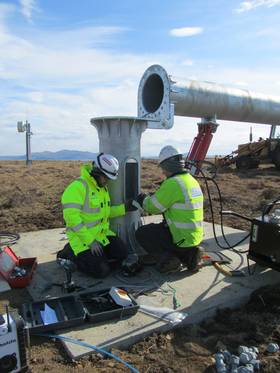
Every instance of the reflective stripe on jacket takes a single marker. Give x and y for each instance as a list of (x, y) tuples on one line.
[(86, 211), (180, 199)]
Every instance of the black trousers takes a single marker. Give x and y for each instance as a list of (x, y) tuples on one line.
[(98, 266), (156, 239)]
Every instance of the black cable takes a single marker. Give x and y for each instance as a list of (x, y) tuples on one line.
[(8, 238), (205, 179), (269, 207), (222, 225)]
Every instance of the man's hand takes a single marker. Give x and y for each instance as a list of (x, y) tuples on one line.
[(140, 198), (129, 206), (96, 248)]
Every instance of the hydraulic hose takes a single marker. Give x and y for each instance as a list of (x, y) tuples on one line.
[(228, 247), (227, 272)]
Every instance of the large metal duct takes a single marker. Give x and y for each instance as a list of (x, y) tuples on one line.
[(161, 96)]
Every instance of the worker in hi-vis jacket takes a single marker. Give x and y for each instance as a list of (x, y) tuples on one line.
[(175, 240), (93, 246)]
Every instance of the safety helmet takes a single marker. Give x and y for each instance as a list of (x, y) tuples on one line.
[(168, 151), (106, 164)]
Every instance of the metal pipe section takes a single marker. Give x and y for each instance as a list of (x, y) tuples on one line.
[(120, 136), (160, 96)]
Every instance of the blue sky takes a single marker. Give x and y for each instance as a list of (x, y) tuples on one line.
[(64, 62)]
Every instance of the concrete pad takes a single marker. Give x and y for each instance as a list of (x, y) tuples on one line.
[(200, 294)]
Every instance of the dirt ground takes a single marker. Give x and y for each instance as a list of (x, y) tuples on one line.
[(30, 200)]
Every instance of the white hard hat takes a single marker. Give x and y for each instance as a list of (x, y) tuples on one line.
[(168, 151), (107, 164)]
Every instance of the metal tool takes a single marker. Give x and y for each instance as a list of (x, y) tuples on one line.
[(69, 267), (69, 285)]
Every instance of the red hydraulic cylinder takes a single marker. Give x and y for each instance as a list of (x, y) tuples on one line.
[(202, 141)]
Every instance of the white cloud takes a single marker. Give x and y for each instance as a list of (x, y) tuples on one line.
[(187, 62), (241, 84), (185, 31), (62, 120), (33, 63), (58, 86), (246, 6), (28, 7), (83, 37), (5, 11), (230, 134)]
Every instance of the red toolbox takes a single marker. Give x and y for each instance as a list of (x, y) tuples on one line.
[(17, 271)]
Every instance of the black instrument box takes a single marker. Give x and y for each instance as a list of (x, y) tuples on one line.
[(264, 247)]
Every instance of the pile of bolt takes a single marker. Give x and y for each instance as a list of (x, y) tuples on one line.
[(246, 362), (18, 272)]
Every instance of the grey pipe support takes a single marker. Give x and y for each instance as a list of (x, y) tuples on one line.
[(161, 96), (120, 136)]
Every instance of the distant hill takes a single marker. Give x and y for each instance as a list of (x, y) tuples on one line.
[(61, 155)]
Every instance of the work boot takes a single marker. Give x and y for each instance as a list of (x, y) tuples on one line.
[(169, 265), (66, 253), (194, 262)]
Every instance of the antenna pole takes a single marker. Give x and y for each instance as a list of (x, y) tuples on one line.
[(28, 144)]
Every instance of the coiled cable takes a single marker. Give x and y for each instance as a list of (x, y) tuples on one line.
[(8, 238)]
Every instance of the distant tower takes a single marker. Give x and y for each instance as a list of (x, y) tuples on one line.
[(26, 128)]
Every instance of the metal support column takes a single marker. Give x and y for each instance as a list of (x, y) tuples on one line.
[(120, 136)]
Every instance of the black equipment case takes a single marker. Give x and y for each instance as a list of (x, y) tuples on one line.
[(76, 309)]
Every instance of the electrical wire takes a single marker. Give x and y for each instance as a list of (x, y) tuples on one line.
[(8, 238), (205, 179), (176, 302), (93, 347), (222, 227)]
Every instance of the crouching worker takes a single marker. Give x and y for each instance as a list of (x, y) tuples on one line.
[(175, 240), (92, 246)]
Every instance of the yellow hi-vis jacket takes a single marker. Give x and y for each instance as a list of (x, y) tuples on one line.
[(86, 211), (180, 199)]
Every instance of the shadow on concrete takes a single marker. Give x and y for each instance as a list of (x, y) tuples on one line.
[(232, 238), (49, 273)]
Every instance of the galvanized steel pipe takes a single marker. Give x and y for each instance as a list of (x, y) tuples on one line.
[(161, 95)]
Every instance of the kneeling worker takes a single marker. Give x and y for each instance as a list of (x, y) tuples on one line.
[(179, 198), (92, 246)]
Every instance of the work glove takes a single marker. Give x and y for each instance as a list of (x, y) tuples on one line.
[(96, 248), (140, 198), (129, 206)]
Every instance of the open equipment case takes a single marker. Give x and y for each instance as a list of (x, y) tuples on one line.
[(76, 309), (18, 272)]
